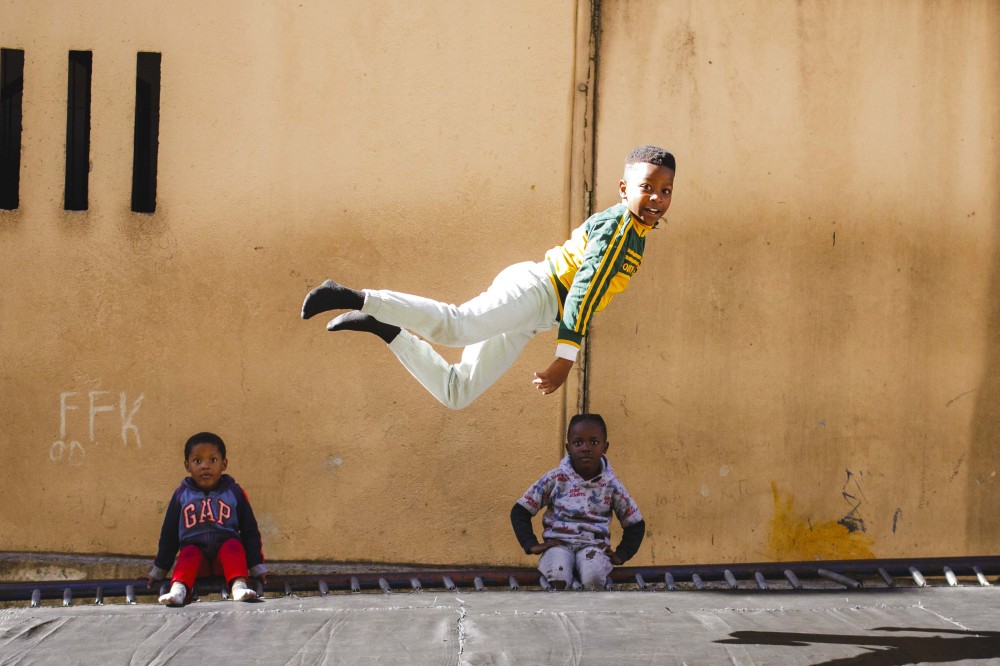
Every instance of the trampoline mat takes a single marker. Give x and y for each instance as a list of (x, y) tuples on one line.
[(905, 626)]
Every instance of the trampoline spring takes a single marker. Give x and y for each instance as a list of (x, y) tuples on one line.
[(415, 584), (224, 591), (67, 597), (837, 578), (577, 586), (877, 574), (259, 588), (609, 585), (793, 579), (886, 577), (384, 584), (949, 576)]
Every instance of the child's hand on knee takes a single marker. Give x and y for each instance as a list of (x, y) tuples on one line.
[(540, 548), (613, 556)]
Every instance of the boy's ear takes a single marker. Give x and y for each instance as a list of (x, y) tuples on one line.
[(225, 464), (621, 189)]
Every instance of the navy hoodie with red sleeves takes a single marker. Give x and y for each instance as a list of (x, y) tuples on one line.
[(207, 520)]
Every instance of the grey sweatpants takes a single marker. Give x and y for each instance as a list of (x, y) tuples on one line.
[(590, 563)]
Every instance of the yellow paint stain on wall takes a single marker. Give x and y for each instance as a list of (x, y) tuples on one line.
[(794, 537)]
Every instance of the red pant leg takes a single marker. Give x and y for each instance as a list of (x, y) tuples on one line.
[(189, 562), (232, 560)]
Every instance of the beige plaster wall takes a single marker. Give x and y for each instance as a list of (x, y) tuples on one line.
[(418, 146), (814, 324), (814, 371)]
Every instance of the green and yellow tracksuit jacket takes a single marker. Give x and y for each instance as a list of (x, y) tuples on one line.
[(596, 263)]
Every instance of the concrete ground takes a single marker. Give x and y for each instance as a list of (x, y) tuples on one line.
[(887, 626)]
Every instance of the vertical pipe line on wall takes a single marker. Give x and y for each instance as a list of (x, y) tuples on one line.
[(582, 141), (576, 181), (590, 170)]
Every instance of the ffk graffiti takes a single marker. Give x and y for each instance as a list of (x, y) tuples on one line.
[(71, 450)]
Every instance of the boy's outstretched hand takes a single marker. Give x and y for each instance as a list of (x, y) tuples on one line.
[(615, 558), (553, 377)]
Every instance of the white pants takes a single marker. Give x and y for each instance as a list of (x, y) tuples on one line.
[(493, 327), (591, 564)]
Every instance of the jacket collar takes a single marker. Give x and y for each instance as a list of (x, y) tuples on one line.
[(225, 481)]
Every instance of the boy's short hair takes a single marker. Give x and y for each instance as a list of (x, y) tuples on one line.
[(204, 438), (651, 155), (593, 418)]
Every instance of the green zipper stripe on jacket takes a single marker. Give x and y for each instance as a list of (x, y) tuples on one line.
[(602, 277)]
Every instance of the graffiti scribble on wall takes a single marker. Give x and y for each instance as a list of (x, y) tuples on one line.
[(853, 496), (797, 537)]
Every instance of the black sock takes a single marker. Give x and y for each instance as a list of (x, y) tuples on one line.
[(359, 321), (331, 296)]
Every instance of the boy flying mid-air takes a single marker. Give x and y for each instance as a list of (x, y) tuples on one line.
[(575, 280)]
